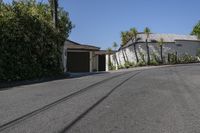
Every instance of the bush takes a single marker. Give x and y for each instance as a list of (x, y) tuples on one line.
[(141, 63), (172, 58), (111, 66), (142, 57), (155, 60), (188, 59), (198, 52), (128, 64), (121, 67), (30, 47)]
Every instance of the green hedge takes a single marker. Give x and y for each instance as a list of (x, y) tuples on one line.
[(30, 47)]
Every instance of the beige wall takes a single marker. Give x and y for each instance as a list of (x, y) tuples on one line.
[(64, 57)]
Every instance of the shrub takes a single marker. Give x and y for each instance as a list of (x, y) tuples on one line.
[(172, 58), (142, 57), (111, 66), (188, 59), (155, 60), (128, 64), (198, 52), (121, 67), (30, 47), (141, 63)]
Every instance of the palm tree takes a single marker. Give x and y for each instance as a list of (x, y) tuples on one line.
[(115, 45), (124, 40), (133, 36), (54, 11), (161, 42), (196, 30), (147, 32)]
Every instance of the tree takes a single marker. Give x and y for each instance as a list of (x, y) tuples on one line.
[(161, 42), (124, 39), (30, 45), (133, 37), (147, 32), (115, 45), (196, 30)]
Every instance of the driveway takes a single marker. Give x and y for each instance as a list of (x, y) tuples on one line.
[(145, 100)]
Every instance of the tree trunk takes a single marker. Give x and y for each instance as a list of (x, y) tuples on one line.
[(136, 53), (148, 56), (123, 55), (176, 53), (116, 59), (109, 62), (161, 53), (126, 56)]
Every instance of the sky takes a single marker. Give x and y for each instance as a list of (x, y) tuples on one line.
[(100, 22)]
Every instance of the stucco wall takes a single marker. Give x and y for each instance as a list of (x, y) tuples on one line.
[(94, 62), (64, 57), (181, 47)]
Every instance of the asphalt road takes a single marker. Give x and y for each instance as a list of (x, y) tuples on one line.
[(154, 100)]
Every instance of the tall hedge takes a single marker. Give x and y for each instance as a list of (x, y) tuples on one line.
[(30, 47)]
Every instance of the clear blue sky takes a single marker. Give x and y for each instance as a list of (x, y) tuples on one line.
[(99, 22)]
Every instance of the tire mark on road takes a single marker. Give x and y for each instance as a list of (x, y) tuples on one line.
[(47, 107), (95, 104)]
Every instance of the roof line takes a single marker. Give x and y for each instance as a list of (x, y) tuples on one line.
[(187, 40), (82, 44)]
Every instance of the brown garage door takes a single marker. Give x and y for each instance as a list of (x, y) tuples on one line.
[(78, 61), (102, 61)]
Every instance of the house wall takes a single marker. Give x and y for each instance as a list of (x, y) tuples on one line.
[(107, 60), (187, 47), (181, 47), (94, 59), (96, 63), (64, 58)]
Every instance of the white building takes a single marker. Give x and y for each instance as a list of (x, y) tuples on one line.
[(180, 44)]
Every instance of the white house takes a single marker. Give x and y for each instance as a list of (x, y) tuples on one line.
[(180, 44)]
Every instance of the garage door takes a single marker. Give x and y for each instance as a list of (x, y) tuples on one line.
[(102, 61), (78, 61)]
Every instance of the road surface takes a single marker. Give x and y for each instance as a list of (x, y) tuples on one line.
[(145, 100)]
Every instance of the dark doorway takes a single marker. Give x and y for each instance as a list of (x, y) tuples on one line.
[(78, 62), (102, 62)]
